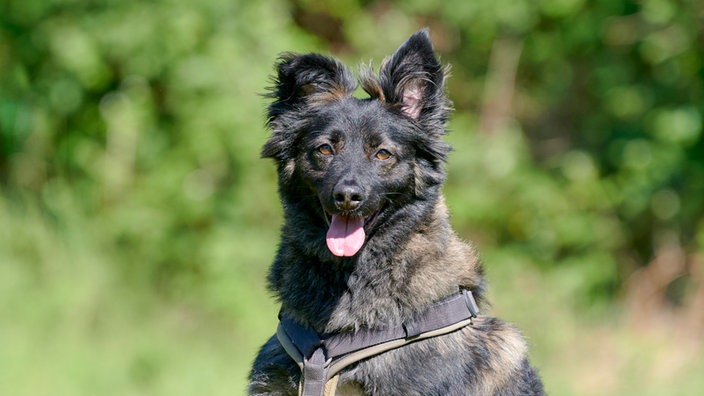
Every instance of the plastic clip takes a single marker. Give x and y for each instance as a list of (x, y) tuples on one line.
[(471, 304)]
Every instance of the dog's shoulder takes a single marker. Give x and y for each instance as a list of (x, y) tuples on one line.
[(488, 357), (445, 261)]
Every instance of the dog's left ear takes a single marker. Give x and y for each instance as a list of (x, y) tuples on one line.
[(414, 78)]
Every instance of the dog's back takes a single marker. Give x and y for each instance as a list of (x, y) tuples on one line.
[(366, 245)]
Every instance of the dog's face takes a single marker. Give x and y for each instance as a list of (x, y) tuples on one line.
[(357, 161), (351, 163)]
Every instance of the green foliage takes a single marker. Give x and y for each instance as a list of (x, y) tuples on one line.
[(137, 220), (549, 220), (147, 114)]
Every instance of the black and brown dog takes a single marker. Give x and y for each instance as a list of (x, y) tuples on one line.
[(366, 245)]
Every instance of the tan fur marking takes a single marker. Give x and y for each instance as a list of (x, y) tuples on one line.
[(509, 352), (289, 168), (349, 388), (332, 93), (449, 262), (370, 84), (323, 98)]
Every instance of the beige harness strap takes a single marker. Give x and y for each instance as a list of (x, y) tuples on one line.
[(330, 386)]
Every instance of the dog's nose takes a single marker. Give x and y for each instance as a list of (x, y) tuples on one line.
[(348, 196)]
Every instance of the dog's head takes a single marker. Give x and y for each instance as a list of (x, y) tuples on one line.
[(350, 163)]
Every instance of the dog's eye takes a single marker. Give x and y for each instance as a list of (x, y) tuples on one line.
[(325, 149), (383, 154)]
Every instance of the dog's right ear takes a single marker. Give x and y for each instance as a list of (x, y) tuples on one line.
[(302, 81), (302, 78)]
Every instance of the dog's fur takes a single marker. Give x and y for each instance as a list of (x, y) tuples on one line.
[(331, 151)]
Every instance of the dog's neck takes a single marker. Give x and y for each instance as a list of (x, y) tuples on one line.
[(386, 283)]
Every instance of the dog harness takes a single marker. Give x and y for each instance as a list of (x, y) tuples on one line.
[(321, 357)]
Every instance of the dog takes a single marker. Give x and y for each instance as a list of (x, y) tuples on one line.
[(366, 245)]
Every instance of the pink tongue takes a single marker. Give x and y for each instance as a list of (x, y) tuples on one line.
[(346, 235)]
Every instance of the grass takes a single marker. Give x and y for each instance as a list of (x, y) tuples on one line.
[(72, 326), (593, 350)]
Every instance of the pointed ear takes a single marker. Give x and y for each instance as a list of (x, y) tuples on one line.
[(414, 78), (301, 78)]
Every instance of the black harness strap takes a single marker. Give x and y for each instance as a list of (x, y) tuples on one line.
[(321, 357)]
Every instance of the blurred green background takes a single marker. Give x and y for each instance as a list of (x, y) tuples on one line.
[(137, 221)]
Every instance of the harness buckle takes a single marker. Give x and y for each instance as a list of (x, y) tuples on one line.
[(315, 373), (411, 329), (471, 303)]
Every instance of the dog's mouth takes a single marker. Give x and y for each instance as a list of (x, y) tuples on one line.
[(346, 234)]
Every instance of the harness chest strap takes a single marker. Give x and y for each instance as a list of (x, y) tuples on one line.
[(321, 357)]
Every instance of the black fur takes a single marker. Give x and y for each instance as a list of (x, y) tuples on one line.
[(331, 151)]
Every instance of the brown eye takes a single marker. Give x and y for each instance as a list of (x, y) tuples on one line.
[(383, 154), (325, 149)]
